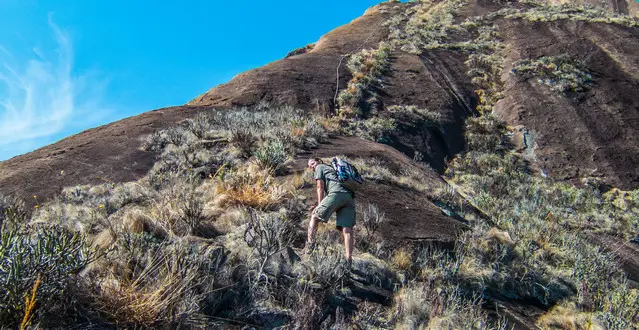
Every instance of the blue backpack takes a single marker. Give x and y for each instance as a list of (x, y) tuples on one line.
[(347, 174)]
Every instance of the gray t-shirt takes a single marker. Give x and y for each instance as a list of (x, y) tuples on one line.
[(331, 183)]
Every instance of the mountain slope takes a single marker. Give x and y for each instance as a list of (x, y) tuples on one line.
[(488, 122), (595, 133), (109, 153), (437, 82)]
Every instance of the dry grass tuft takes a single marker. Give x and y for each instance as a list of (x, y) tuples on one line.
[(568, 317), (30, 302), (500, 236), (231, 219), (402, 259), (159, 294), (251, 190), (104, 240), (134, 221)]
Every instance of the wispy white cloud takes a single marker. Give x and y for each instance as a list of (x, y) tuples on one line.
[(43, 97)]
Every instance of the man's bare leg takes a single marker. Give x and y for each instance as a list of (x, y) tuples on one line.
[(312, 230), (348, 243)]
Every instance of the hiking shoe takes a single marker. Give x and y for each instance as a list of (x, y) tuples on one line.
[(349, 264)]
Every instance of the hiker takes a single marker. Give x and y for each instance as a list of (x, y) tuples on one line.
[(332, 197)]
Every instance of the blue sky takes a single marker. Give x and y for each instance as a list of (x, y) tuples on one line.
[(69, 65)]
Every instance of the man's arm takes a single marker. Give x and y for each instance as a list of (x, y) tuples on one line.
[(320, 191)]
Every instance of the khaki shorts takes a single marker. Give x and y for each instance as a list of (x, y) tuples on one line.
[(341, 203)]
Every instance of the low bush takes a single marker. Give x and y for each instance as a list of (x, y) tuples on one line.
[(12, 211), (441, 306), (177, 211), (378, 170), (266, 234), (244, 140), (203, 144), (485, 134), (325, 267), (426, 25), (156, 141), (272, 156), (199, 126), (378, 129), (420, 117), (569, 11), (52, 256)]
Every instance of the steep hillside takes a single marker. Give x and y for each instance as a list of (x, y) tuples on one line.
[(589, 133), (598, 140), (499, 145), (627, 7), (306, 81), (109, 153)]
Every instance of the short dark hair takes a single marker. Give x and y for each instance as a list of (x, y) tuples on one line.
[(317, 159)]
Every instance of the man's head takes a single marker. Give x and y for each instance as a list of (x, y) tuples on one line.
[(313, 162)]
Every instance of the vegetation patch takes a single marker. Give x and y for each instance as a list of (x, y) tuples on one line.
[(367, 68), (508, 257), (153, 253), (539, 250), (207, 238), (550, 13), (561, 73), (424, 25)]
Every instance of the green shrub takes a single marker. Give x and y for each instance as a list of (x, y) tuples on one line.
[(441, 306), (414, 119), (378, 129), (266, 234), (272, 155), (485, 134), (176, 135), (243, 139), (53, 254), (199, 126), (424, 26), (202, 144), (568, 11), (156, 141), (13, 211), (324, 268), (315, 131)]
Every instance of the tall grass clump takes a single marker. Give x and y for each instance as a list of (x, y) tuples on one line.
[(147, 282), (258, 190)]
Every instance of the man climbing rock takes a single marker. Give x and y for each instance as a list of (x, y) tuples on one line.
[(332, 197)]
